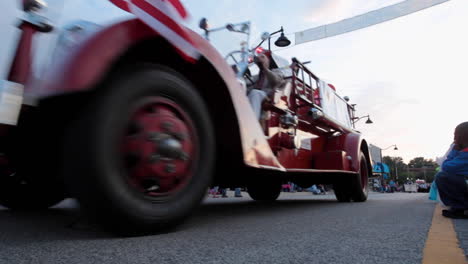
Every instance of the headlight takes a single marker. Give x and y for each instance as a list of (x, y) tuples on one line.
[(34, 5), (35, 10)]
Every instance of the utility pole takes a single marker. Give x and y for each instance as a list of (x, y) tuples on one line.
[(407, 171), (396, 171)]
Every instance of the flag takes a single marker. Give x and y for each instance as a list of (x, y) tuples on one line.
[(165, 17)]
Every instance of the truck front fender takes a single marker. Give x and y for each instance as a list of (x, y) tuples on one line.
[(352, 144)]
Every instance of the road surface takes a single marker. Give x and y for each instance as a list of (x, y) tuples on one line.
[(298, 228)]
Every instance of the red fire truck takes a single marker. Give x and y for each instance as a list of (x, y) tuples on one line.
[(137, 134)]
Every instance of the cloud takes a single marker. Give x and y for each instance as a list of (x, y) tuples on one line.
[(408, 74), (327, 11)]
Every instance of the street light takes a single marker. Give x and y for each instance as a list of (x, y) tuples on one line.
[(243, 27), (396, 168), (282, 41), (396, 148), (368, 121)]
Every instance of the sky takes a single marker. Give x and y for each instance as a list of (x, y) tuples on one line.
[(408, 74)]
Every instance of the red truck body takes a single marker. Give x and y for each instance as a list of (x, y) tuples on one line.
[(296, 141), (92, 60)]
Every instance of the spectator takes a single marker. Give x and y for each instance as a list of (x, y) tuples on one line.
[(268, 80), (398, 187), (292, 187), (237, 192), (376, 185), (223, 192), (450, 180), (322, 189), (384, 187), (314, 189), (214, 191), (392, 186)]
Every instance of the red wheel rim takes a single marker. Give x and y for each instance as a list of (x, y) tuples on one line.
[(159, 147)]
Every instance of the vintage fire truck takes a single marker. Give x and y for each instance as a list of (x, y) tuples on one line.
[(137, 134)]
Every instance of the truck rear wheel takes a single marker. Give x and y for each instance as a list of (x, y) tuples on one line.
[(354, 187), (360, 183), (342, 191), (266, 191), (141, 156)]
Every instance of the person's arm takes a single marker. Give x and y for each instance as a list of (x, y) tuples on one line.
[(451, 155), (455, 162), (274, 78), (252, 85)]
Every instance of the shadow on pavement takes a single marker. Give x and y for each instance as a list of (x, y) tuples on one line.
[(235, 210), (65, 222)]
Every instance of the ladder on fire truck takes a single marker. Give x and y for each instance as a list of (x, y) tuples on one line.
[(309, 94)]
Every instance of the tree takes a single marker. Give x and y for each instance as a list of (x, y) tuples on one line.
[(417, 162), (420, 162), (397, 167), (417, 168), (426, 168)]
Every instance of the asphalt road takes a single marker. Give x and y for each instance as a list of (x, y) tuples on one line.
[(461, 228), (299, 228)]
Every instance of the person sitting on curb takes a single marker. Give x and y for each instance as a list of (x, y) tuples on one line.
[(450, 180)]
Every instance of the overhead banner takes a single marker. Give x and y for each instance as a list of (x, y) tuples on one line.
[(365, 20)]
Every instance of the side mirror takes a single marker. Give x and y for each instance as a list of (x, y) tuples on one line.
[(230, 27), (203, 24), (239, 28), (245, 28), (33, 5)]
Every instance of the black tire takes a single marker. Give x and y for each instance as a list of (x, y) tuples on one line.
[(267, 190), (354, 187), (95, 171), (342, 191), (359, 184)]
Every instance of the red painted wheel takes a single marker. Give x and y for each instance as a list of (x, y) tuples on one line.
[(141, 155), (160, 147)]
